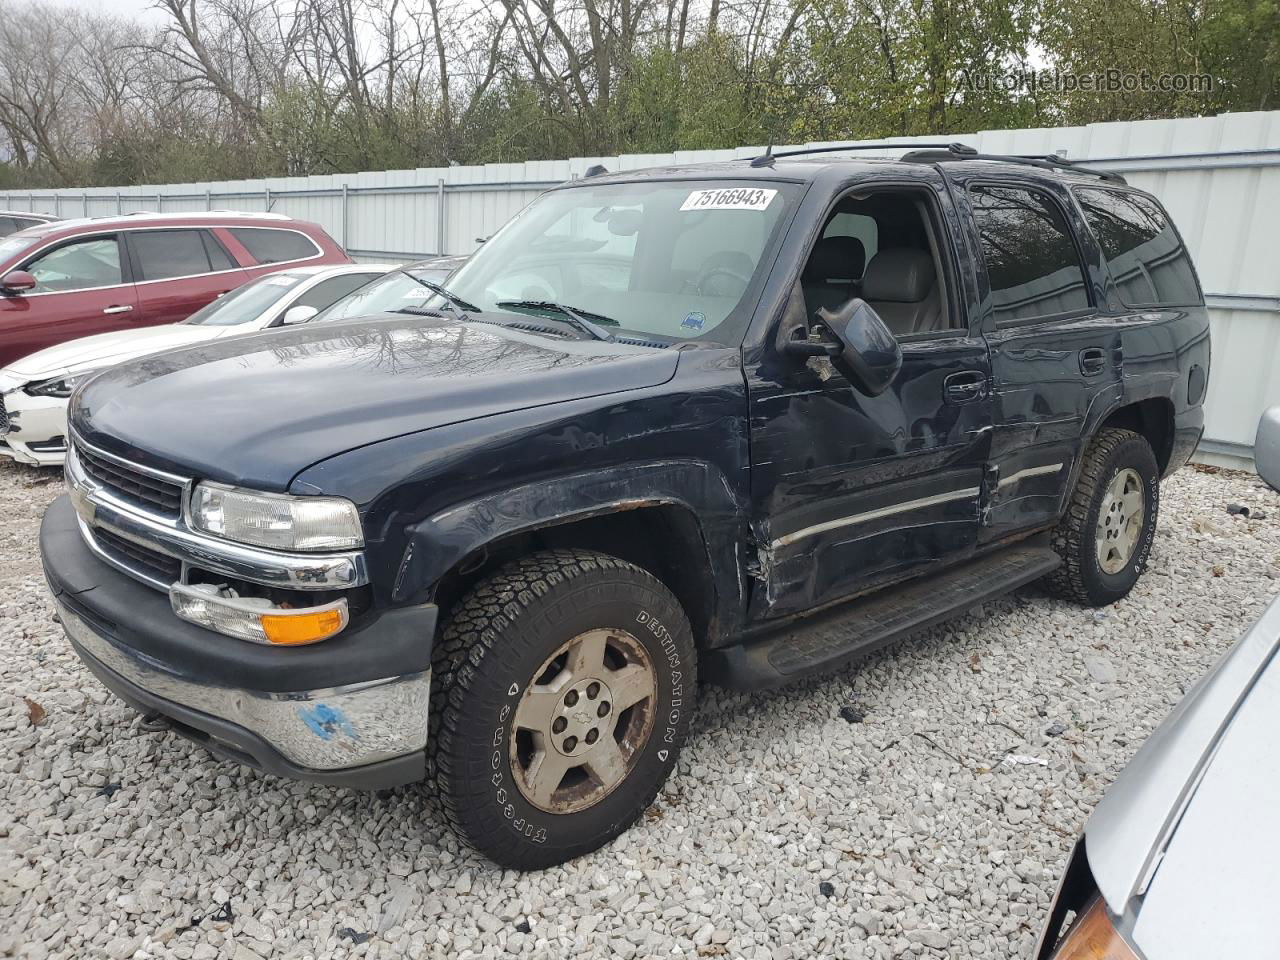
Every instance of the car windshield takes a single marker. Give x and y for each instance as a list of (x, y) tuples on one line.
[(674, 259), (394, 292), (247, 303)]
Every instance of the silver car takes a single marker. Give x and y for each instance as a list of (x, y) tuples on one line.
[(1181, 859)]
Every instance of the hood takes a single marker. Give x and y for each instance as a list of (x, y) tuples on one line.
[(106, 349), (257, 409), (1165, 828)]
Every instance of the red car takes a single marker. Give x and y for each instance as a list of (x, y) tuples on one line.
[(72, 278)]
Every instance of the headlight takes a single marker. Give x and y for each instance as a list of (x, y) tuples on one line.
[(61, 387), (276, 520), (1093, 937)]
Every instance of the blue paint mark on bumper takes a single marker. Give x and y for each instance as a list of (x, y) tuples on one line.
[(326, 721)]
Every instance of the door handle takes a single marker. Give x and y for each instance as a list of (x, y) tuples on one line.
[(122, 308), (1092, 360), (964, 386)]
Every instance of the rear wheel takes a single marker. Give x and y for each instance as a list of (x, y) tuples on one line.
[(1105, 536), (561, 695)]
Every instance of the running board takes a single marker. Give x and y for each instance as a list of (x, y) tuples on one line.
[(829, 640)]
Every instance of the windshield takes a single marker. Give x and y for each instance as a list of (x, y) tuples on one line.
[(247, 303), (674, 259), (396, 291)]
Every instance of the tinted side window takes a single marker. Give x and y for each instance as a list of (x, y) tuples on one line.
[(219, 259), (276, 246), (8, 225), (1031, 258), (94, 262), (332, 290), (1144, 253), (161, 254)]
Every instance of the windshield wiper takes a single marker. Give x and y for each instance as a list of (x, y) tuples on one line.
[(575, 317), (455, 302)]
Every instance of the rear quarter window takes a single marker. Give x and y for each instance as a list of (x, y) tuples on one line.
[(1144, 254), (268, 245)]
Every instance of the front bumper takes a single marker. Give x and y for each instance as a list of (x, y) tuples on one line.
[(37, 429), (350, 711)]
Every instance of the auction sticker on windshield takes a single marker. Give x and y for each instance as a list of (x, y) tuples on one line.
[(730, 198)]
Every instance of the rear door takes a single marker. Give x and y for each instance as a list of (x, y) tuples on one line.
[(1054, 354), (178, 271), (82, 288)]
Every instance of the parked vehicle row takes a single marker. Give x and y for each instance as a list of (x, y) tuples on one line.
[(185, 278), (68, 279), (740, 421), (34, 389)]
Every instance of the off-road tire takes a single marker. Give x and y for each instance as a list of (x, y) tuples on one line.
[(1081, 577), (491, 650)]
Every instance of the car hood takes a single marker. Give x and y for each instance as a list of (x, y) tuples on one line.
[(257, 409), (106, 349), (1190, 823)]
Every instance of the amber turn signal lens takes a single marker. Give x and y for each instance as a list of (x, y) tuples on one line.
[(294, 629), (1092, 937)]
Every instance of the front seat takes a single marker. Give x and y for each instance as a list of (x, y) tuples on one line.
[(831, 276), (901, 286)]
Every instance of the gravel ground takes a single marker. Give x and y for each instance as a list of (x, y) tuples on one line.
[(865, 815)]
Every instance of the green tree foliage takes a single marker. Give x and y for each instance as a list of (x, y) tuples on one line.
[(238, 88)]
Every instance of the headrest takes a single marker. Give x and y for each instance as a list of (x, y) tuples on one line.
[(836, 258), (900, 275)]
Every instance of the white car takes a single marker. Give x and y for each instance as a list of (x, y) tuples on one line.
[(34, 389)]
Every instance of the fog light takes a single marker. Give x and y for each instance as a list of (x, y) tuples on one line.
[(255, 619)]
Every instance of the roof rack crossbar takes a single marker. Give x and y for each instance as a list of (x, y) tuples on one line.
[(1041, 160), (766, 159)]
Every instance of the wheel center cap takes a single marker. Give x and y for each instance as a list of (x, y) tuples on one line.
[(582, 717)]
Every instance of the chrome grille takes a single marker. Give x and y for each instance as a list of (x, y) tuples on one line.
[(130, 484)]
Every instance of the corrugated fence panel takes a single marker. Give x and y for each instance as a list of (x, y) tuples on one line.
[(1218, 176)]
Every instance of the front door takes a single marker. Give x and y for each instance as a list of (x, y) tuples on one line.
[(852, 491), (81, 289)]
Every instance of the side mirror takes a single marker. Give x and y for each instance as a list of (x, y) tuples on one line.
[(1266, 448), (864, 348), (298, 314), (18, 281)]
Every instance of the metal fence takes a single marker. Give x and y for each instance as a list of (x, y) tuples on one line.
[(1218, 176)]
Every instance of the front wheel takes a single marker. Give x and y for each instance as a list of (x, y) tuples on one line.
[(1105, 535), (561, 695)]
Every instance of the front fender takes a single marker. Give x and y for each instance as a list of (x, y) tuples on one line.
[(438, 543)]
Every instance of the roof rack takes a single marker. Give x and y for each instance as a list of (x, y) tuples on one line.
[(767, 158), (1042, 160)]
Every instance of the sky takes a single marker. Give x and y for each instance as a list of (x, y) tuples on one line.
[(139, 9)]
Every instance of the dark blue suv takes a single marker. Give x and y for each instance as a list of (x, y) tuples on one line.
[(738, 422)]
